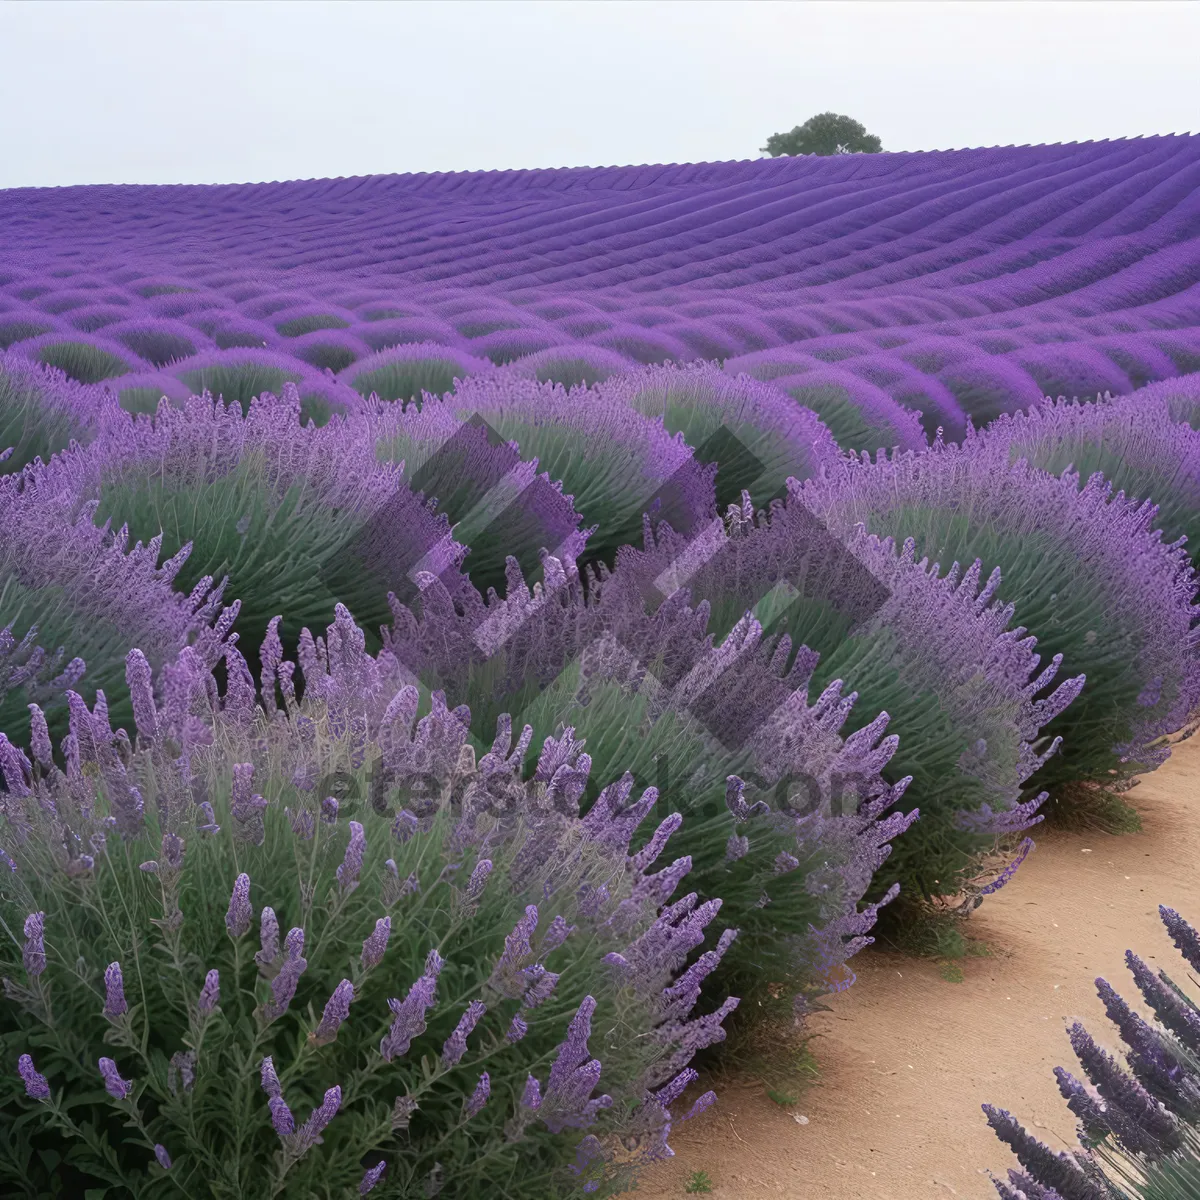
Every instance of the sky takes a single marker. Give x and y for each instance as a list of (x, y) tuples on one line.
[(239, 92)]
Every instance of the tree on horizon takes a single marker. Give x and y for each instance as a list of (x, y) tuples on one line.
[(826, 133)]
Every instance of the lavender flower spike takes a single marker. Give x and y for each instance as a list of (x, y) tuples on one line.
[(456, 1044), (268, 938), (281, 1117), (337, 1009), (270, 1080), (479, 878), (347, 873), (479, 1097), (372, 1176), (518, 1029), (283, 986), (164, 1159), (237, 919), (116, 1087), (409, 1014), (309, 1134), (114, 992), (34, 953), (1186, 939), (210, 993), (375, 946), (36, 1086)]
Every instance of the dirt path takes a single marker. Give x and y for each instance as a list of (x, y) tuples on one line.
[(906, 1057)]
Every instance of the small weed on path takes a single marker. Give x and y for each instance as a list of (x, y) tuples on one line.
[(698, 1181)]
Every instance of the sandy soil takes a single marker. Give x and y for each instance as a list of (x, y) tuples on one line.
[(906, 1057)]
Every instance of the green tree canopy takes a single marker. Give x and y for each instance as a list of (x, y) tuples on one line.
[(826, 133)]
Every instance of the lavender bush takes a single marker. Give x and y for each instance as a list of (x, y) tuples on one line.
[(936, 652), (222, 980), (793, 853), (1138, 1124), (73, 595), (1088, 570), (295, 517), (1136, 442)]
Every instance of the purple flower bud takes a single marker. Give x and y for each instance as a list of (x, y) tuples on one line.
[(34, 953), (785, 862), (702, 1104), (114, 992), (479, 878), (270, 1081), (116, 1087), (210, 993), (374, 948), (556, 934), (181, 1064), (164, 1159), (269, 938), (206, 822), (479, 1097), (237, 919), (409, 1014), (36, 1086), (337, 1009), (309, 1134), (456, 1044), (281, 1117), (404, 826), (39, 738), (329, 809), (372, 1176), (347, 873), (517, 1030), (283, 986), (540, 990), (172, 851), (1186, 939)]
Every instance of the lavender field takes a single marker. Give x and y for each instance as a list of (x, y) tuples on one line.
[(473, 647)]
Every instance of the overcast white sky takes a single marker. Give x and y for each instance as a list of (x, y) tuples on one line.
[(219, 92)]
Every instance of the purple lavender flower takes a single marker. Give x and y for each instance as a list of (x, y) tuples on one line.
[(456, 1044), (372, 1176), (283, 986), (517, 1029), (210, 994), (1186, 939), (164, 1159), (556, 934), (517, 948), (1027, 844), (270, 1080), (337, 1009), (479, 878), (36, 1086), (114, 992), (309, 1134), (409, 1014), (375, 946), (182, 1064), (172, 851), (1122, 1091), (1059, 1171), (116, 1087), (34, 953), (329, 810), (347, 873), (479, 1097), (404, 826), (540, 990), (269, 939), (237, 919), (1180, 1018), (567, 1102), (281, 1117)]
